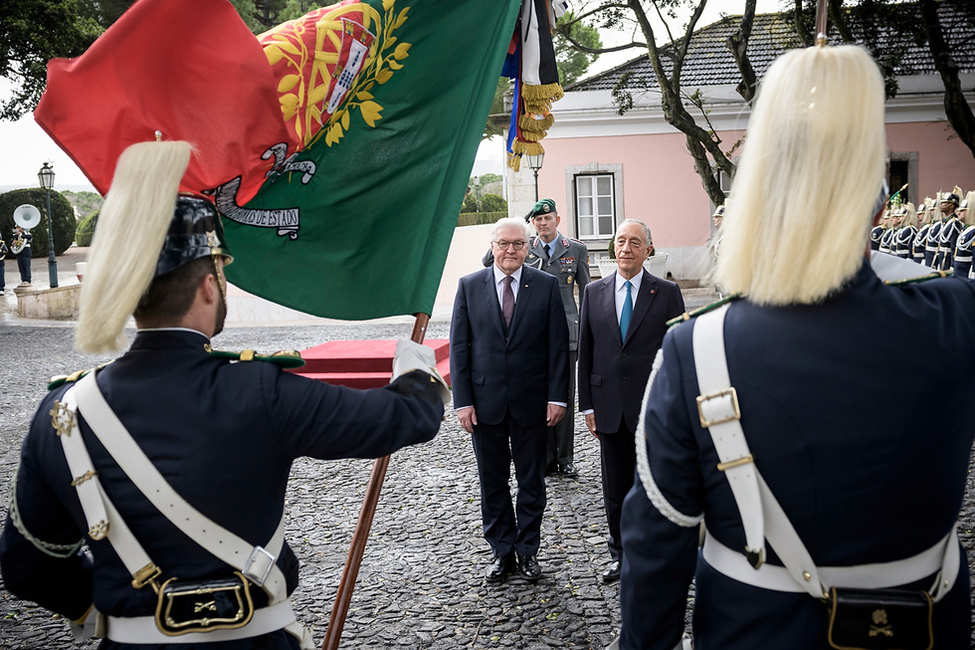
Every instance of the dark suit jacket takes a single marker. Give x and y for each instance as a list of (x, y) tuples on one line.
[(613, 375), (521, 370)]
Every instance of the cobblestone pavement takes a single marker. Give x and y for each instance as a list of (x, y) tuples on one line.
[(420, 585)]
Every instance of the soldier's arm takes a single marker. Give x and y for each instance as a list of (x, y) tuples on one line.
[(661, 517), (57, 578)]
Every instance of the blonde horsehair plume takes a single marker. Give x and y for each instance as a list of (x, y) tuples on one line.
[(910, 217), (131, 230), (809, 181), (969, 204)]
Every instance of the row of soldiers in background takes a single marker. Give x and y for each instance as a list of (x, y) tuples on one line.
[(939, 234)]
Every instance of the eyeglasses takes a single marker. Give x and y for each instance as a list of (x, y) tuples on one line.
[(515, 245)]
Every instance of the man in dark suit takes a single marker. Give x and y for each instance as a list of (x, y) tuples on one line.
[(624, 319), (509, 351), (567, 260)]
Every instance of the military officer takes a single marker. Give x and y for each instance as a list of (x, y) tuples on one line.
[(890, 221), (171, 463), (568, 260)]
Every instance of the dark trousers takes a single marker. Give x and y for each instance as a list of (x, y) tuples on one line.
[(3, 281), (23, 264), (617, 454), (561, 436), (495, 446)]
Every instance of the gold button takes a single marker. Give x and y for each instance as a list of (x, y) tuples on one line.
[(806, 576)]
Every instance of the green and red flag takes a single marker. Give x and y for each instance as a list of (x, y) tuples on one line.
[(338, 146)]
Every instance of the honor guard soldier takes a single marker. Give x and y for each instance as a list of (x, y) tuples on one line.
[(906, 232), (923, 226), (568, 260), (149, 502), (933, 241), (767, 418), (963, 249), (950, 229), (887, 239), (877, 233)]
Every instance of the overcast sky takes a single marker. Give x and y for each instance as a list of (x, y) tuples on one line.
[(25, 147)]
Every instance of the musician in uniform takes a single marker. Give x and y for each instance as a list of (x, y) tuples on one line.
[(568, 260), (20, 247), (3, 256), (950, 229), (187, 449), (772, 412)]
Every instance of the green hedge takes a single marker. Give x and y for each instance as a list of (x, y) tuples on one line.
[(64, 219), (478, 218), (86, 229)]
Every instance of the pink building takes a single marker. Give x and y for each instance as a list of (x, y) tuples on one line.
[(601, 167)]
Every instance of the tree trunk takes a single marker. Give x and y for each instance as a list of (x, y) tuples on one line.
[(956, 106), (738, 44)]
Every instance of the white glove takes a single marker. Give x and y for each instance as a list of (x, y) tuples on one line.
[(414, 356)]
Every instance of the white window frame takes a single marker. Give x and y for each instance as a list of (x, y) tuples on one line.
[(572, 216)]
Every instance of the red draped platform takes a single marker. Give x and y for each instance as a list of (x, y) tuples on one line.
[(362, 364)]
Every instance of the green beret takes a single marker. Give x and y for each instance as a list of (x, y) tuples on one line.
[(542, 207)]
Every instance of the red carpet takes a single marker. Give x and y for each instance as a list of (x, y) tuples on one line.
[(362, 364)]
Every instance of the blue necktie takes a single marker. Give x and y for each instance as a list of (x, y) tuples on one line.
[(627, 312)]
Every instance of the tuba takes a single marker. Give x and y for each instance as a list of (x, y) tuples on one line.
[(26, 216)]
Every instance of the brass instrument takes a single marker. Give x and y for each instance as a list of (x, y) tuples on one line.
[(26, 216)]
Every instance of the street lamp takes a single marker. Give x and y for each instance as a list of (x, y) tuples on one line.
[(535, 162), (46, 177)]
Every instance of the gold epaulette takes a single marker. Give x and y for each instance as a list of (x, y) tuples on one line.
[(283, 358), (702, 310), (61, 380), (934, 275)]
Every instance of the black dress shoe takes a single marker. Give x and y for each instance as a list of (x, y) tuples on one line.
[(529, 568), (570, 471), (502, 567), (612, 572)]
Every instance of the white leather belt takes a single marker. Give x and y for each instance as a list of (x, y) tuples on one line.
[(142, 629), (881, 575)]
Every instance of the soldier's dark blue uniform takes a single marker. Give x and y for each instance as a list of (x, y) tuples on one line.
[(963, 252), (862, 477), (904, 242), (224, 435), (947, 239)]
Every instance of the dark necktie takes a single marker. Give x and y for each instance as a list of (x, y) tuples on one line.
[(507, 301), (548, 251)]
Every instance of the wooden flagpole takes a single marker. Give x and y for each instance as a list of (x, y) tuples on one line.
[(821, 22), (343, 597)]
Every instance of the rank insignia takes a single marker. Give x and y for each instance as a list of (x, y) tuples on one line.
[(62, 419)]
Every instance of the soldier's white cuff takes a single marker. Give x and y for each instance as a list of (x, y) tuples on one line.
[(414, 356)]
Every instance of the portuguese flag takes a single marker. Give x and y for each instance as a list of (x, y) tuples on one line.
[(337, 147)]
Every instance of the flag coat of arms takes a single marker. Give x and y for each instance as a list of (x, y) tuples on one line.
[(337, 146)]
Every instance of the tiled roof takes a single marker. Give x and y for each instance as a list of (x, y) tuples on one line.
[(709, 62)]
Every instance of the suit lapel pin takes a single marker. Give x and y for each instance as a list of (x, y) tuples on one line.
[(653, 291)]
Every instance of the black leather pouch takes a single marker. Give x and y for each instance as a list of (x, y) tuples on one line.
[(880, 619), (202, 606)]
